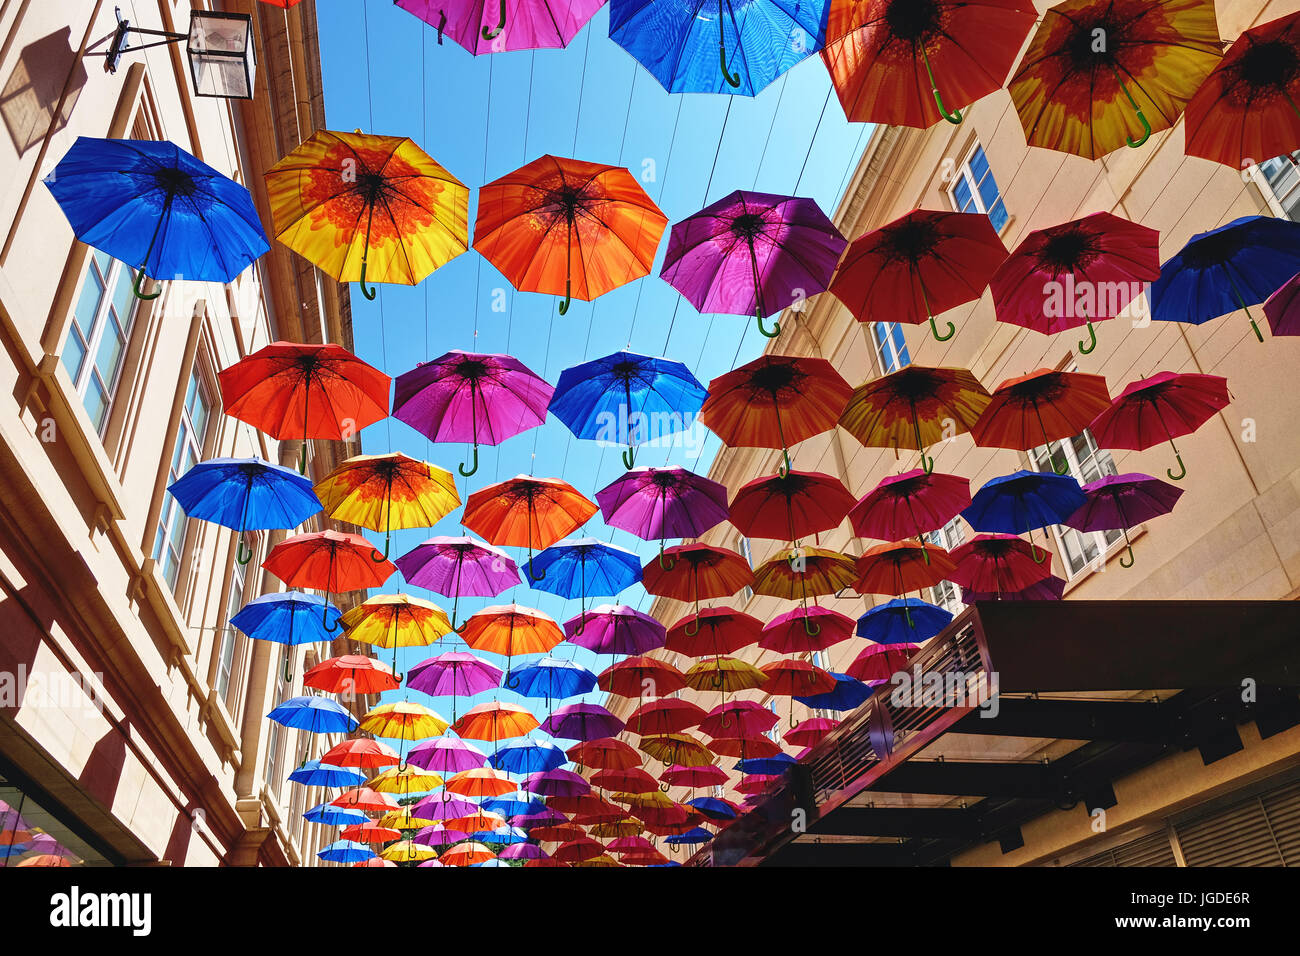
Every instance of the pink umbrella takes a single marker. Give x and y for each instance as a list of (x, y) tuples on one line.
[(483, 27), (456, 566), (909, 505), (679, 776), (556, 783), (738, 719), (443, 806), (809, 732), (1283, 309), (438, 835), (453, 674), (523, 851), (615, 629), (806, 629), (997, 564), (1051, 588), (446, 755), (882, 661), (1122, 501), (660, 503)]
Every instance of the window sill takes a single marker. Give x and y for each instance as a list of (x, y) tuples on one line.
[(214, 712)]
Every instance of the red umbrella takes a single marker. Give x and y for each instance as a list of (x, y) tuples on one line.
[(996, 564), (810, 732), (606, 753), (919, 265), (590, 804), (806, 629), (631, 780), (745, 746), (909, 505), (362, 752), (668, 715), (557, 833), (790, 677), (287, 389), (881, 661), (351, 674), (329, 561), (1040, 408), (1158, 409), (366, 799), (737, 719), (689, 572), (641, 677), (718, 631), (901, 567), (790, 506), (577, 850), (708, 776)]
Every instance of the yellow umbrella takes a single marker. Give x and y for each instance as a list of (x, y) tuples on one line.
[(676, 748), (360, 205), (403, 721), (383, 492), (407, 781), (403, 819), (396, 620), (603, 860), (801, 573), (616, 828), (727, 674), (407, 851)]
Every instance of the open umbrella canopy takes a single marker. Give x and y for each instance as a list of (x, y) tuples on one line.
[(736, 719), (446, 756), (330, 561), (604, 753), (997, 563), (660, 503), (903, 621), (459, 566), (405, 781), (725, 674), (154, 206), (527, 756), (1050, 588), (713, 632), (801, 573), (788, 676), (495, 721), (1283, 309), (615, 629), (453, 674), (691, 572), (403, 720), (365, 799), (848, 693), (586, 567), (481, 26), (1123, 502), (480, 782), (364, 206), (676, 748), (881, 661), (1040, 408), (790, 506), (632, 780), (805, 630), (666, 715), (331, 816), (396, 620), (288, 617), (900, 567), (1022, 501), (810, 732), (345, 851), (510, 630), (527, 512), (350, 673), (582, 721), (317, 715), (362, 752), (552, 678), (641, 676), (556, 783), (909, 505), (752, 253), (314, 773)]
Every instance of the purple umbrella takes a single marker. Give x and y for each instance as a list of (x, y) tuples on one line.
[(542, 818), (456, 566), (1283, 309), (447, 756), (582, 722), (438, 835), (557, 783), (522, 851), (663, 503), (753, 254), (453, 674), (443, 806), (1122, 501), (480, 25), (615, 629), (1051, 588), (431, 863), (472, 397)]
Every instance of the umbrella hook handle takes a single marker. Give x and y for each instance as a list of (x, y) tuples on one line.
[(666, 567), (375, 555), (1129, 555), (927, 463), (1085, 348), (568, 285), (955, 116), (243, 554), (325, 619), (696, 622), (784, 469), (442, 23), (934, 330), (664, 788), (135, 288), (762, 328), (1146, 125), (288, 674), (629, 457), (1182, 469), (473, 465), (811, 627), (733, 80), (370, 292), (490, 33)]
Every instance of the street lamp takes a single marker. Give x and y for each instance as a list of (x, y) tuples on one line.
[(220, 47)]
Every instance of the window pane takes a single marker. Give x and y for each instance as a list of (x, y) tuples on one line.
[(988, 192), (103, 261), (96, 402), (962, 193), (199, 417), (900, 345), (92, 293), (74, 354), (998, 216), (109, 357), (123, 299), (979, 163)]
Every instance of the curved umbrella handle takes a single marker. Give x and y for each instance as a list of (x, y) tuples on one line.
[(378, 558), (1129, 555), (135, 287), (840, 595), (1146, 131), (733, 79), (1038, 555), (811, 628), (564, 306), (491, 34), (794, 721), (243, 554), (927, 463), (762, 327), (1063, 469), (666, 567), (288, 674), (325, 619), (785, 467), (629, 458), (717, 678), (532, 575), (302, 458), (687, 630), (1085, 348), (511, 681), (1182, 469), (370, 292), (473, 465), (934, 329), (955, 116), (664, 787)]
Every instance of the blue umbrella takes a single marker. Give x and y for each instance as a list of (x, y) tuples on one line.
[(690, 837), (583, 568), (1229, 268), (345, 851), (514, 805), (1022, 501), (503, 835), (331, 816), (552, 678), (289, 618), (528, 756), (316, 715), (767, 766), (676, 40), (627, 398), (849, 693), (313, 773), (154, 205), (493, 863), (713, 808), (903, 621), (245, 494)]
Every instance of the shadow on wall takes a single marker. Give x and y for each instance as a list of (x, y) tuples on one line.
[(31, 94)]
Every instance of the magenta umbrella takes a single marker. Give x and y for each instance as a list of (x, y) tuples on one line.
[(1122, 501), (1051, 588), (447, 756), (523, 851), (556, 783), (909, 505), (456, 566), (806, 629), (542, 818), (471, 397), (615, 629), (753, 254), (582, 722), (737, 719), (443, 806), (453, 674), (1283, 309), (438, 835), (481, 26), (662, 503)]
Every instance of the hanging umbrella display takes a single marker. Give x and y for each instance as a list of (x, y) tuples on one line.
[(316, 715), (909, 505), (1102, 73), (329, 561), (582, 721), (1246, 110), (459, 566), (775, 401), (903, 621), (446, 756), (668, 502), (245, 494), (790, 506), (691, 572), (556, 783), (918, 266), (1123, 501), (552, 679), (1161, 408), (738, 719), (1022, 501), (756, 41), (1075, 274), (997, 564), (615, 629), (330, 816), (313, 773), (289, 618), (706, 775), (350, 674), (801, 573), (527, 512), (1228, 268), (666, 715), (627, 398), (364, 799), (480, 782), (1283, 309), (396, 620), (532, 221), (467, 854), (881, 662), (511, 630), (405, 781), (767, 766), (471, 397), (604, 753), (641, 677), (915, 407), (849, 693), (527, 756), (362, 206), (453, 674), (585, 567), (1040, 408), (713, 632), (752, 253), (480, 25), (788, 676), (288, 390), (494, 721), (370, 832), (366, 490), (805, 630), (362, 752), (152, 205), (884, 55)]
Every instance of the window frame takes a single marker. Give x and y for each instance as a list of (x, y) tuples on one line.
[(91, 341), (1040, 460), (964, 172), (950, 536), (1268, 184), (899, 357), (200, 445)]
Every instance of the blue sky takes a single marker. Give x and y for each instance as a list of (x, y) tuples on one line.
[(482, 117)]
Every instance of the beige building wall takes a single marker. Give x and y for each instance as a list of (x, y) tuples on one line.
[(1235, 533), (176, 761)]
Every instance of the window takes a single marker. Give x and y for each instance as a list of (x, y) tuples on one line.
[(747, 552), (229, 636), (946, 594), (974, 189), (187, 452), (1282, 175), (274, 740), (1086, 462), (891, 347), (774, 734), (97, 335)]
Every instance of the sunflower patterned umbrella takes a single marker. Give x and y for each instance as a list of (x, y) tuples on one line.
[(396, 620), (694, 571), (366, 489), (359, 205), (1102, 73), (801, 573), (527, 511), (675, 748), (1040, 408), (329, 561), (530, 221)]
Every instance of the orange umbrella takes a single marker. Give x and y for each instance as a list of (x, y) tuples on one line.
[(361, 752), (329, 561), (495, 721), (1040, 408), (374, 861), (351, 674), (510, 629), (369, 832), (901, 567), (787, 677), (527, 512), (481, 782), (467, 854), (530, 223), (689, 572)]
